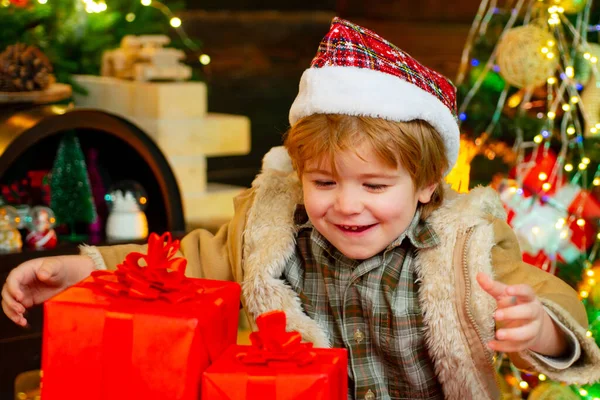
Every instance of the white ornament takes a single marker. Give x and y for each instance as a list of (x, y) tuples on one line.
[(126, 220)]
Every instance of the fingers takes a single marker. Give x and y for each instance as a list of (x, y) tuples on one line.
[(494, 288), (519, 312), (522, 291), (515, 339), (13, 309)]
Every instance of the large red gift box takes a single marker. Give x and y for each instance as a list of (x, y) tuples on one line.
[(277, 367), (139, 333)]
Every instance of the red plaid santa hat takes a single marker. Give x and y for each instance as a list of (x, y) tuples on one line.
[(357, 72)]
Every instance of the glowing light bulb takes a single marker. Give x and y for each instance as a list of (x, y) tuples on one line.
[(581, 222), (175, 22), (551, 80), (596, 181), (542, 377), (574, 99), (582, 166), (570, 71), (569, 167), (571, 130), (551, 115), (204, 59), (146, 2), (523, 385), (566, 107), (130, 17), (585, 160)]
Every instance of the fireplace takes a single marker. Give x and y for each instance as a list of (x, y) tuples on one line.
[(29, 137)]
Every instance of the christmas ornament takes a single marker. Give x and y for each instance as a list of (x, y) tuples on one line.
[(492, 81), (71, 196), (126, 219), (19, 3), (520, 58), (552, 391), (573, 6), (590, 96), (537, 170), (10, 238), (98, 192), (41, 236), (25, 68)]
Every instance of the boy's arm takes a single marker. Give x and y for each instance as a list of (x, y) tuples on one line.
[(557, 297), (209, 256), (195, 246)]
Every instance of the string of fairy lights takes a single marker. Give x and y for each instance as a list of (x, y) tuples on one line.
[(563, 95), (95, 7)]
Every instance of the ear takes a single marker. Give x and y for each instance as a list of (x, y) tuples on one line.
[(424, 194)]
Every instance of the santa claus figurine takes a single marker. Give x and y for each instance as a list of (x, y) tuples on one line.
[(41, 235)]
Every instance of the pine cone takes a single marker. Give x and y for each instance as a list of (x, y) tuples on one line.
[(24, 68)]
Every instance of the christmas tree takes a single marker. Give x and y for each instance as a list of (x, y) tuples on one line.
[(73, 33), (530, 121), (71, 195)]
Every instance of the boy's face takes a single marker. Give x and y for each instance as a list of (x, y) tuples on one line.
[(365, 207)]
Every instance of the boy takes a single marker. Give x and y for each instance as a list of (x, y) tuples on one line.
[(350, 232)]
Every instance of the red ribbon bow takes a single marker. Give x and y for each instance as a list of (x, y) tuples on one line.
[(162, 277), (272, 343)]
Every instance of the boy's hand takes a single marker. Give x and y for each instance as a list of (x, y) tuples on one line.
[(522, 316), (35, 281)]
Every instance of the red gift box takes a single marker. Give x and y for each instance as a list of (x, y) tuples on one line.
[(277, 366), (138, 333)]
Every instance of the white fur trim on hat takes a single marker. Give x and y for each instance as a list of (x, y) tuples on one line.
[(365, 92)]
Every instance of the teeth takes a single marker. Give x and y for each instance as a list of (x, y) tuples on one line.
[(352, 228)]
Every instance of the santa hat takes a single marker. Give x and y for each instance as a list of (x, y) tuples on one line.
[(357, 72)]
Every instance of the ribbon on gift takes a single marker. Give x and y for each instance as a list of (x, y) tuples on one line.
[(162, 276), (273, 344)]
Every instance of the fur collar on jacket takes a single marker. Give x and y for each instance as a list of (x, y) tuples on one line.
[(269, 242)]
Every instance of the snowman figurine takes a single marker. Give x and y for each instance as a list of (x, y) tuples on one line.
[(10, 237), (41, 234), (126, 219)]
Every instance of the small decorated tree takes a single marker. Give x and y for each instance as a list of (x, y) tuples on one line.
[(71, 195)]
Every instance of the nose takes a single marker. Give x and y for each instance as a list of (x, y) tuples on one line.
[(348, 203)]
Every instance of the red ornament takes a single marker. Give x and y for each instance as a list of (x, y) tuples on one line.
[(19, 3), (539, 173)]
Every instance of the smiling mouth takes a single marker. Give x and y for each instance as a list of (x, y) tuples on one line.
[(355, 228)]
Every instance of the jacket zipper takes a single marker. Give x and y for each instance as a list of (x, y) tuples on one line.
[(488, 353)]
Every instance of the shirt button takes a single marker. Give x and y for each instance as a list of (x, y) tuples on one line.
[(370, 395), (358, 336)]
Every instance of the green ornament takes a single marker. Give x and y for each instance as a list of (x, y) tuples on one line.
[(492, 81)]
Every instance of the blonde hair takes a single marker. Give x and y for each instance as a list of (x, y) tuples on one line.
[(414, 145)]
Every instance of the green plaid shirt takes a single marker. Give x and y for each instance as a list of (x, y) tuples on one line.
[(369, 307)]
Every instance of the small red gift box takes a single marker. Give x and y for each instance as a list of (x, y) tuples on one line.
[(137, 333), (277, 366)]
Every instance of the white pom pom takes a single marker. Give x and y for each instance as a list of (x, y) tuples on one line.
[(278, 159)]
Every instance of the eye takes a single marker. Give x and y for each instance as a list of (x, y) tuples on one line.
[(324, 184), (375, 188)]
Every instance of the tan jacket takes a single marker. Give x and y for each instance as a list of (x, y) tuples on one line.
[(255, 245)]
